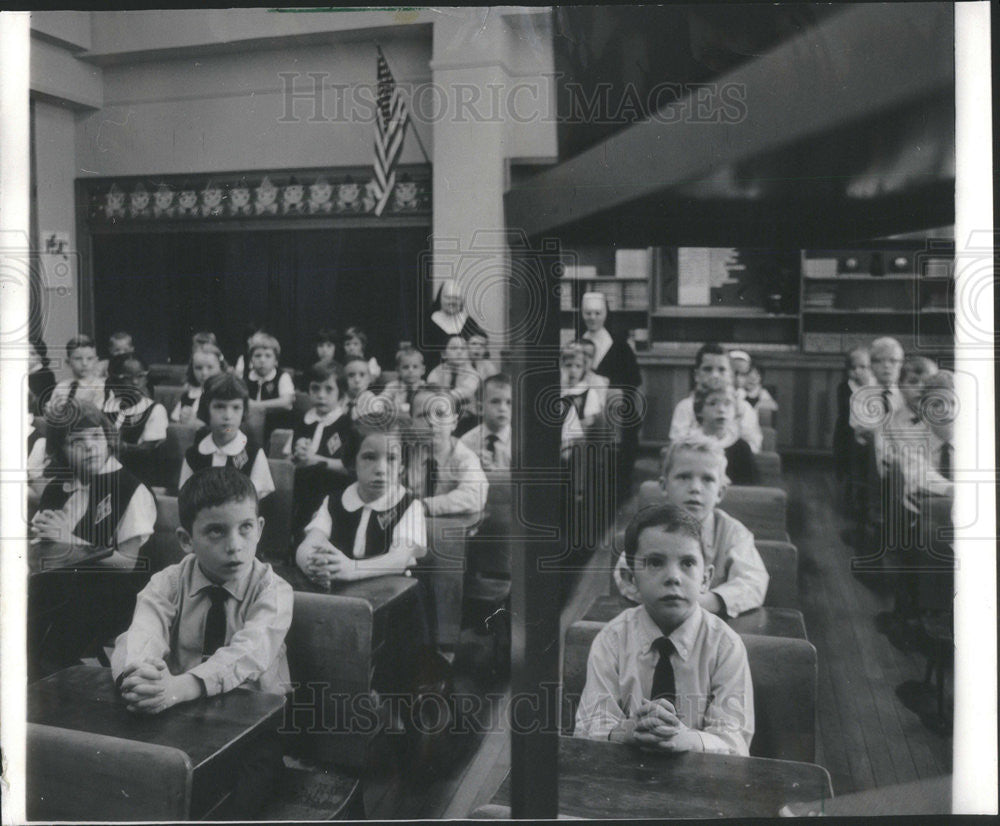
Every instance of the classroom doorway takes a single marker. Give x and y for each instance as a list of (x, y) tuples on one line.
[(162, 287)]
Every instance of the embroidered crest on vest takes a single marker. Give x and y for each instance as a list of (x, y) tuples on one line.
[(333, 443), (103, 510), (240, 459)]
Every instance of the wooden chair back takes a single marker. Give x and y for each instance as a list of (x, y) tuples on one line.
[(784, 674), (168, 395), (330, 660), (761, 509), (171, 455), (768, 466), (162, 548), (782, 562), (77, 775), (280, 438), (769, 444), (175, 374), (254, 424), (277, 510), (785, 677)]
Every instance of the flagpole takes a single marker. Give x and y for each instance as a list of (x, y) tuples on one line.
[(413, 121)]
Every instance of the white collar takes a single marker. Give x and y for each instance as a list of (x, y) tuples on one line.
[(451, 324), (207, 446), (352, 501), (257, 377), (576, 389), (135, 409), (74, 484), (312, 416), (503, 434)]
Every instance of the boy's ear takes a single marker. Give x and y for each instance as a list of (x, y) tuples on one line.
[(723, 486), (707, 579), (260, 526), (626, 581), (184, 538), (663, 483)]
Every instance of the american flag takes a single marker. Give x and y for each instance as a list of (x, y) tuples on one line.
[(391, 118)]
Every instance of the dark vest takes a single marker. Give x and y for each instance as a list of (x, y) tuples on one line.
[(243, 462), (380, 526), (202, 410), (268, 389), (110, 494), (327, 441), (132, 426)]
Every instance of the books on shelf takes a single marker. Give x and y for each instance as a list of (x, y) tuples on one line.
[(819, 268), (633, 263), (565, 297), (612, 294), (635, 295)]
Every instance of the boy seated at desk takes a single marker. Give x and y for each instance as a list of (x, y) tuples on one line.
[(490, 441), (213, 622), (445, 474), (694, 478), (667, 675)]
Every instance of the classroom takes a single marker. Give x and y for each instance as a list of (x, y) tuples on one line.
[(502, 412)]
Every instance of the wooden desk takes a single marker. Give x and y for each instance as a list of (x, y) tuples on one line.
[(610, 780), (212, 732), (44, 557), (764, 622), (443, 570), (922, 797), (393, 601)]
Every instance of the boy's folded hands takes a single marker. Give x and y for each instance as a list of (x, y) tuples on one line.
[(657, 727), (148, 687)]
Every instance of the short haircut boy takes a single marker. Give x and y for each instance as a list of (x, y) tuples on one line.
[(712, 348), (121, 336), (211, 488), (571, 351), (712, 387), (263, 341), (919, 368), (78, 343), (707, 447), (496, 380), (886, 345), (407, 352), (849, 358), (671, 518)]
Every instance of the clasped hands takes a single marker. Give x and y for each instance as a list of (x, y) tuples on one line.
[(53, 526), (148, 687), (656, 727)]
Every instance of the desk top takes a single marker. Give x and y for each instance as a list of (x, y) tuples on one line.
[(378, 591), (61, 556), (610, 780), (922, 797), (83, 698)]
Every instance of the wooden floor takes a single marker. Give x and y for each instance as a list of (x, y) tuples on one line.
[(867, 737)]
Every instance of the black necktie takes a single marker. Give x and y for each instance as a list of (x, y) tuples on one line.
[(73, 387), (411, 391), (432, 477), (215, 622), (491, 444), (886, 403), (944, 467), (454, 379), (350, 409), (574, 401), (663, 675)]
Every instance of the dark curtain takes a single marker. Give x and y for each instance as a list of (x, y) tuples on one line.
[(163, 287)]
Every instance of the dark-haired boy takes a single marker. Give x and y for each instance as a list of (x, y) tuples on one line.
[(490, 441), (711, 362), (213, 622), (668, 675)]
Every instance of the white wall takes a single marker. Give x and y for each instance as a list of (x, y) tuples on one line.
[(201, 92)]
